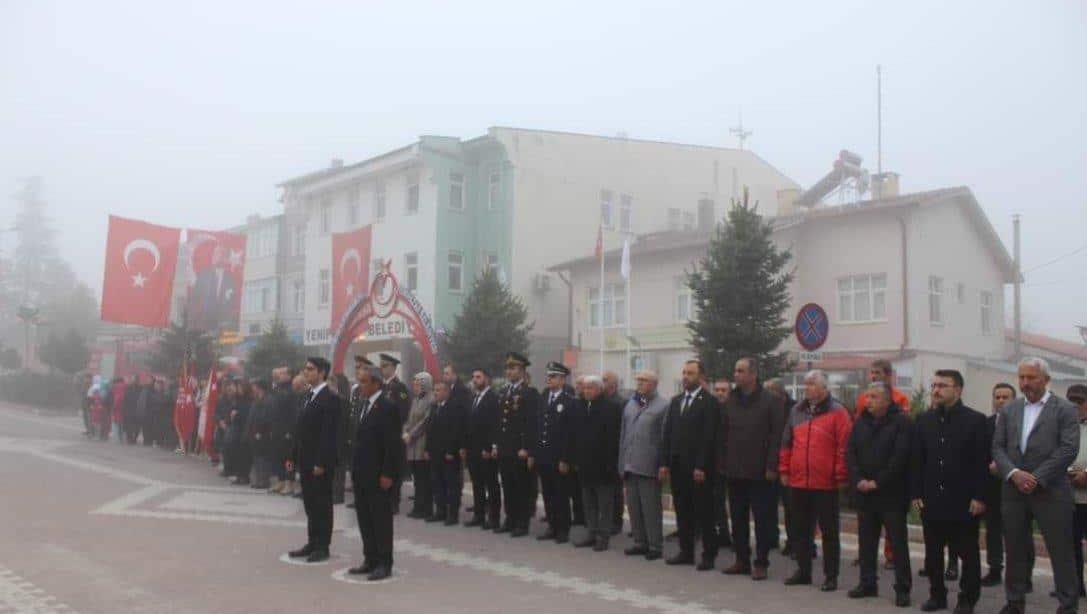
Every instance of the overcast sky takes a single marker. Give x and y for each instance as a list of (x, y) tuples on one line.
[(188, 113)]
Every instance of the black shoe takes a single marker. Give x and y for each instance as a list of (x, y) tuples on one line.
[(1012, 608), (415, 514), (683, 558), (636, 550), (706, 564), (585, 542), (787, 550), (933, 604), (902, 600), (502, 528), (380, 573), (518, 532), (451, 521), (798, 579), (301, 553), (363, 569), (601, 544), (616, 530), (861, 591), (436, 518), (351, 505), (922, 572), (963, 608), (546, 535), (829, 585), (952, 574), (992, 578), (577, 522), (317, 556), (486, 525), (562, 537), (474, 522), (652, 555)]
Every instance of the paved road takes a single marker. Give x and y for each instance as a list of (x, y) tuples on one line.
[(101, 527)]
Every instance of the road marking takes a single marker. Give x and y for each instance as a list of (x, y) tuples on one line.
[(342, 576), (21, 597)]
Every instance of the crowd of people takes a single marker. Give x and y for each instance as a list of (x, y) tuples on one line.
[(731, 451), (130, 411)]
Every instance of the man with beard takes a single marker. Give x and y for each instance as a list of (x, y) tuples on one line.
[(514, 436), (482, 465)]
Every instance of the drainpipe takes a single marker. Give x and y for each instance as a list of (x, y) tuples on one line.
[(569, 308), (905, 289)]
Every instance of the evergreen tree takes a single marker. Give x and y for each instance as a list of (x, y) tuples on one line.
[(741, 291), (273, 348), (491, 323), (68, 354), (178, 342)]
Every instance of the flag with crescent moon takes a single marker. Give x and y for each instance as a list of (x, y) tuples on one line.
[(214, 274), (141, 260), (351, 269)]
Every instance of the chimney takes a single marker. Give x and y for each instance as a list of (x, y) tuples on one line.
[(336, 163), (706, 215), (787, 201), (885, 185)]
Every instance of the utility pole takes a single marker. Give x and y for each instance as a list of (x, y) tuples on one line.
[(739, 132), (1017, 289)]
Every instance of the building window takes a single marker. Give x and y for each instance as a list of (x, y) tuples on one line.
[(300, 240), (674, 221), (490, 262), (986, 313), (494, 184), (258, 296), (688, 220), (862, 298), (456, 271), (322, 288), (411, 207), (625, 203), (254, 328), (262, 242), (684, 300), (325, 217), (609, 311), (379, 200), (456, 191), (411, 270), (606, 209), (936, 300), (960, 293), (352, 214), (299, 298)]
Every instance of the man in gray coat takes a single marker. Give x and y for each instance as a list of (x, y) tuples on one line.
[(1036, 440), (639, 462)]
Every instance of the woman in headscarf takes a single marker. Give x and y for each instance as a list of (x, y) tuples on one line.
[(422, 386)]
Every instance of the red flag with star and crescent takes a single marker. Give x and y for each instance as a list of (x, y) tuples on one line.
[(351, 269), (141, 260), (215, 268)]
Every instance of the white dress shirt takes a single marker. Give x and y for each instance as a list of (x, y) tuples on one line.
[(1031, 411)]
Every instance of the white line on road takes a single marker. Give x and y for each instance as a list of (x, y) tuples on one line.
[(19, 596)]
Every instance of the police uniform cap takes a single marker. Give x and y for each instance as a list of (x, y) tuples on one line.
[(557, 368), (386, 358), (516, 359)]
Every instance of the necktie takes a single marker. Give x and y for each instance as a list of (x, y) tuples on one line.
[(475, 403), (686, 404), (365, 407)]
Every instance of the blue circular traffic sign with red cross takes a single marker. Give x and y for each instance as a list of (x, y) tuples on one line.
[(812, 327)]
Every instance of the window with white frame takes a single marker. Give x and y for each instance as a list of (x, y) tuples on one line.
[(494, 187), (456, 271), (298, 300), (862, 298), (323, 288), (456, 191), (674, 219), (626, 203), (258, 296), (300, 240), (411, 206), (606, 209), (936, 300), (684, 300), (986, 313), (379, 200), (610, 309), (325, 217), (411, 270), (352, 214), (490, 262), (262, 242)]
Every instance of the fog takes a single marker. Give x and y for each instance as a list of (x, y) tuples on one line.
[(188, 114)]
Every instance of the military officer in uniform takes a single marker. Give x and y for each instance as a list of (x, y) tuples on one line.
[(549, 454), (515, 434), (397, 393), (350, 423)]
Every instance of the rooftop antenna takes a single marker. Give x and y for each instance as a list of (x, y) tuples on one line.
[(739, 132)]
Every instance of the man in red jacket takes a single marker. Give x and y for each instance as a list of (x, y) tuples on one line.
[(813, 465)]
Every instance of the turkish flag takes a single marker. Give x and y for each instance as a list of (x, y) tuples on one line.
[(141, 260), (215, 267), (184, 410), (351, 269), (207, 418)]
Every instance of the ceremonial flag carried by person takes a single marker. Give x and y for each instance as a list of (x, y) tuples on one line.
[(141, 260), (215, 264), (207, 417), (351, 269), (184, 409)]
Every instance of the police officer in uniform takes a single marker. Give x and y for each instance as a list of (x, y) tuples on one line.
[(397, 393), (515, 435), (550, 452), (350, 424)]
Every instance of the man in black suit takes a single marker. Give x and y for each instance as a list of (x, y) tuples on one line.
[(314, 456), (1003, 393), (444, 442), (687, 458), (375, 469), (396, 393), (594, 428), (458, 390), (514, 436), (482, 465), (550, 451)]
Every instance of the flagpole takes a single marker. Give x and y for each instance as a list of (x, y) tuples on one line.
[(600, 304), (629, 274)]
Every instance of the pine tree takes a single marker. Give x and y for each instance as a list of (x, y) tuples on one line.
[(68, 354), (178, 342), (274, 347), (741, 291), (491, 324)]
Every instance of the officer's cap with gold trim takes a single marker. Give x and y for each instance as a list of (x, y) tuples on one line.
[(362, 360), (557, 368), (513, 359), (387, 359)]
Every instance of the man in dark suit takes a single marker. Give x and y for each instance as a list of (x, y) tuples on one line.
[(444, 442), (482, 466), (1036, 440), (458, 390), (549, 451), (212, 296), (397, 393), (1003, 393), (314, 457), (514, 436), (595, 426), (687, 458), (375, 468)]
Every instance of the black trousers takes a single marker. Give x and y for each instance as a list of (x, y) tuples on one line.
[(994, 533), (558, 491), (693, 503), (617, 511), (447, 478), (870, 524), (317, 501), (960, 538), (486, 496), (808, 508), (720, 509), (576, 498), (747, 499), (339, 480), (424, 493), (374, 511), (517, 488), (1079, 534)]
